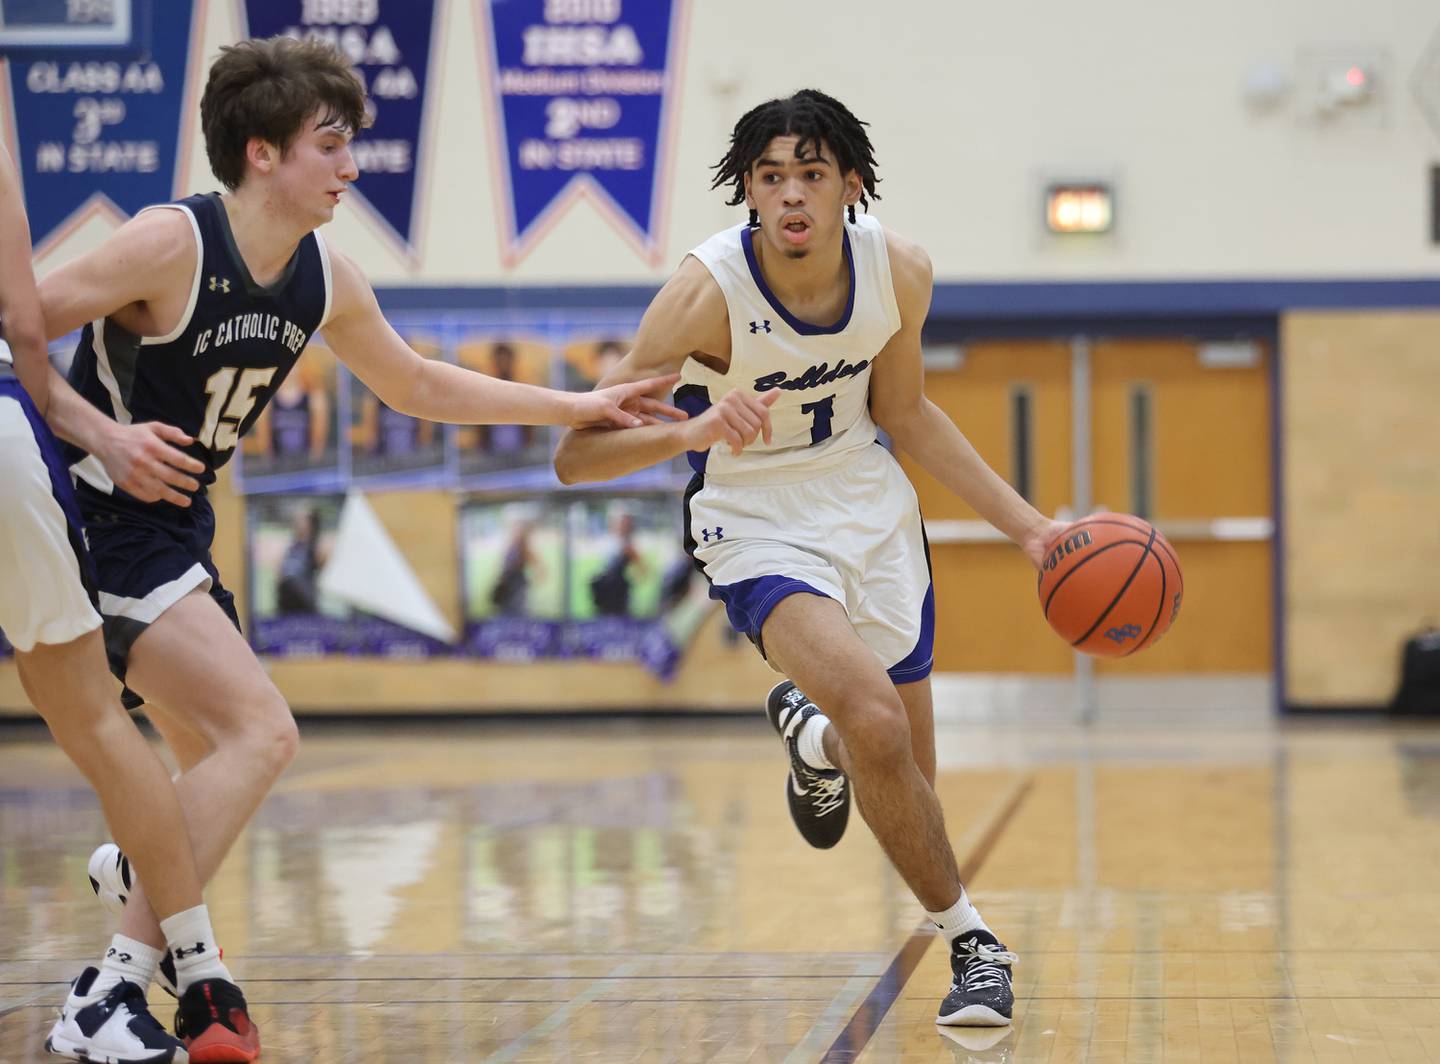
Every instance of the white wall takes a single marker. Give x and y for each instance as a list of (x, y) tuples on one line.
[(972, 106)]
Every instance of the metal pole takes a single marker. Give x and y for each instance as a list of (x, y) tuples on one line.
[(1081, 467)]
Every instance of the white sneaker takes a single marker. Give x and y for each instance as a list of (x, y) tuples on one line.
[(114, 1027), (111, 877)]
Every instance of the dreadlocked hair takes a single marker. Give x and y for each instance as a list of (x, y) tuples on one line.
[(813, 117)]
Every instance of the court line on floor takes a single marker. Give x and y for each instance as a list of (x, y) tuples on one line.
[(558, 1018), (38, 1001), (867, 1018)]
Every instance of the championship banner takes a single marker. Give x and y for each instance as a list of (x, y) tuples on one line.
[(99, 135), (582, 94), (389, 42)]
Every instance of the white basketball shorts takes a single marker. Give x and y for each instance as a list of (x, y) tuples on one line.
[(852, 534), (45, 573)]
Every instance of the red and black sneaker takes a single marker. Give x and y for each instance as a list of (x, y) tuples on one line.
[(214, 1023)]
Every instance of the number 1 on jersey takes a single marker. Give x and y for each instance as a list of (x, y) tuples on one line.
[(221, 432), (824, 411)]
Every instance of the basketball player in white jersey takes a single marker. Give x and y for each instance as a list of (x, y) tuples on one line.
[(795, 335), (193, 314), (47, 610)]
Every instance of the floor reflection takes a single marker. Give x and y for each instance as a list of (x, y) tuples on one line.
[(593, 893)]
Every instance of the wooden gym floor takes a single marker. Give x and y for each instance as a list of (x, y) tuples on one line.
[(635, 892)]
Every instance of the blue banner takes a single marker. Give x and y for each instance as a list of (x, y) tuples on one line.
[(101, 134), (584, 89), (389, 42)]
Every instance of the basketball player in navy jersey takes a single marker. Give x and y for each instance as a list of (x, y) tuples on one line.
[(795, 335), (48, 613), (193, 313)]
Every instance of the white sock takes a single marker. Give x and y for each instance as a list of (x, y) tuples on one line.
[(126, 959), (192, 941), (958, 919), (811, 745)]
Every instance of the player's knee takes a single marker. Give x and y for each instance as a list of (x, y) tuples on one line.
[(282, 738), (878, 734), (270, 732), (285, 740)]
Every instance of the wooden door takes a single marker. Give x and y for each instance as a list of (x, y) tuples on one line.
[(1012, 401), (1179, 433)]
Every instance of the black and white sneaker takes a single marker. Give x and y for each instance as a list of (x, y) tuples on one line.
[(112, 1028), (981, 995), (819, 799), (111, 877)]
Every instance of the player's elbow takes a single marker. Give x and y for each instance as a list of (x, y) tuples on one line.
[(899, 422), (569, 463), (23, 327)]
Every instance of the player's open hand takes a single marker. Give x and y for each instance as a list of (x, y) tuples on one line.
[(627, 406), (739, 418), (145, 460)]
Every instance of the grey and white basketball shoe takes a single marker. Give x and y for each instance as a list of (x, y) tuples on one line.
[(980, 995), (819, 799)]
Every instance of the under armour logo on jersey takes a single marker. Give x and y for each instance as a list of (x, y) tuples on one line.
[(220, 284), (760, 326), (718, 533), (182, 952)]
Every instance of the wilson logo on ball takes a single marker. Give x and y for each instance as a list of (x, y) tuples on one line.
[(1069, 545)]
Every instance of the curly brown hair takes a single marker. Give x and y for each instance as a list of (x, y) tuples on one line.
[(268, 89)]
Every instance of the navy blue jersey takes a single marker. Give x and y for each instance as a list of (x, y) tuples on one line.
[(216, 370)]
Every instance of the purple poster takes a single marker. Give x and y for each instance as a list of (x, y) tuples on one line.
[(582, 93), (390, 43), (290, 538)]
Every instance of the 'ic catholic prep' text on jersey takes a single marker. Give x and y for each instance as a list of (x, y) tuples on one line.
[(215, 371), (822, 417)]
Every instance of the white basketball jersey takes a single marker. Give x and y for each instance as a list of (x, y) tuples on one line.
[(823, 372)]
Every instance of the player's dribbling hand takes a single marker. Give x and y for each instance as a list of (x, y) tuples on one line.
[(1034, 545), (145, 461), (737, 419), (627, 406)]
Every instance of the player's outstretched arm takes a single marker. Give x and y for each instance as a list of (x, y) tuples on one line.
[(687, 317), (427, 388), (20, 317), (923, 431), (149, 256)]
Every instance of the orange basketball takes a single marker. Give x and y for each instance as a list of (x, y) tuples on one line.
[(1111, 585)]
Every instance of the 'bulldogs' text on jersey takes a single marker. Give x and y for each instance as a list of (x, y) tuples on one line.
[(822, 371)]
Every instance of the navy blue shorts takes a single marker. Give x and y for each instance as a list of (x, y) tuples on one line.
[(146, 560)]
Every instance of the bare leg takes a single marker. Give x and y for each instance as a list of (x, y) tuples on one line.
[(193, 661), (810, 639), (189, 746), (71, 687), (920, 712)]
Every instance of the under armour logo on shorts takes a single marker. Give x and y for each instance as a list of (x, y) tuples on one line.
[(760, 326), (719, 533)]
